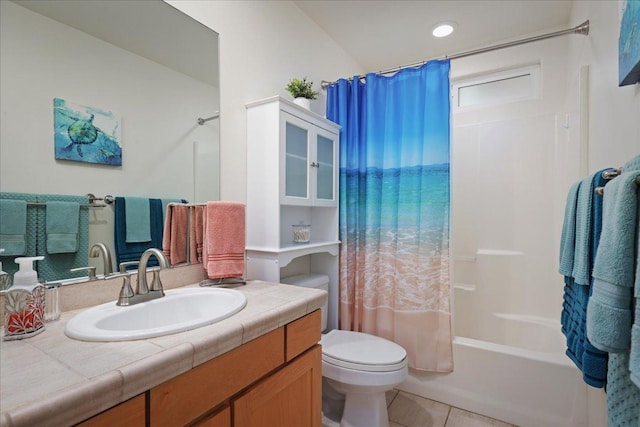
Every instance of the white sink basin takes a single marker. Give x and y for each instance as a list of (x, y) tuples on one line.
[(179, 310)]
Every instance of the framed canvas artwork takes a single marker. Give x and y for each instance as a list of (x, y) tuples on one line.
[(629, 43), (86, 134)]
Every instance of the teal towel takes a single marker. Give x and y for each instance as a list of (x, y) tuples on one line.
[(609, 311), (56, 266), (137, 220), (567, 240), (634, 357), (583, 235), (63, 219), (13, 227)]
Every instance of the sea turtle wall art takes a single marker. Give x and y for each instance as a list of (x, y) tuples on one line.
[(86, 134)]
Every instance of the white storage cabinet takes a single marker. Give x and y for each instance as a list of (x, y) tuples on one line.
[(292, 178)]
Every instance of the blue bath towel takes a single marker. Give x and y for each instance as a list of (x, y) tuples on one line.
[(623, 397), (63, 219), (133, 251), (584, 231), (58, 265), (137, 220), (13, 227), (8, 264), (567, 239), (591, 361), (609, 313), (634, 357)]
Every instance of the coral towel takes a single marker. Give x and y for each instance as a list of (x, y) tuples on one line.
[(174, 238), (196, 233), (224, 239)]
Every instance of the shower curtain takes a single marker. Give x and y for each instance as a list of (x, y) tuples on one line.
[(394, 209)]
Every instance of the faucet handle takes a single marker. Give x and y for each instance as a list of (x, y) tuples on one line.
[(156, 283), (91, 271), (126, 291), (123, 265)]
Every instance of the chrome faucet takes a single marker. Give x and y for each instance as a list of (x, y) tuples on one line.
[(143, 292), (102, 249)]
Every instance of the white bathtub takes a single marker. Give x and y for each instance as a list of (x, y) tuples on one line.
[(528, 383)]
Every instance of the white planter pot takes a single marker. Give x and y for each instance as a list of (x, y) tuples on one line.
[(303, 102)]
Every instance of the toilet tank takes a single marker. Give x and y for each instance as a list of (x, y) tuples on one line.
[(316, 281)]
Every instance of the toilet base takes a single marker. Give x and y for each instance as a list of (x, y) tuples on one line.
[(353, 408), (365, 410)]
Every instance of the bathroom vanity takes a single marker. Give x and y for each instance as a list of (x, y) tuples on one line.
[(260, 365)]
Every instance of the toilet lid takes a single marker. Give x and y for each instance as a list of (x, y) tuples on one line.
[(361, 351)]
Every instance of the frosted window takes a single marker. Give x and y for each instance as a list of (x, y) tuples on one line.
[(498, 88)]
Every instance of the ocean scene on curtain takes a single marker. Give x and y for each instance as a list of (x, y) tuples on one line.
[(394, 209)]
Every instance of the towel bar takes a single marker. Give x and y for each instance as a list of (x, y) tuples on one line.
[(600, 190)]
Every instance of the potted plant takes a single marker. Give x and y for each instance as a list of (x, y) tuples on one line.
[(302, 91)]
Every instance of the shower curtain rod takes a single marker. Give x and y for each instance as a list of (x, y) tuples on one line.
[(582, 29)]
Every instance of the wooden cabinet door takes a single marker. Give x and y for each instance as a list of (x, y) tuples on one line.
[(188, 396), (221, 418), (127, 414), (292, 397)]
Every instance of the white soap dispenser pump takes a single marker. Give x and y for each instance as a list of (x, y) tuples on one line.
[(24, 302)]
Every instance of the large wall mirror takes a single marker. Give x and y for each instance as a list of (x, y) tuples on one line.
[(152, 66)]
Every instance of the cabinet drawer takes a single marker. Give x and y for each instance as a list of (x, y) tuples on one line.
[(302, 334), (127, 414), (188, 396)]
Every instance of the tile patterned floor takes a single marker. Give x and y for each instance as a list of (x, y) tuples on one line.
[(408, 410)]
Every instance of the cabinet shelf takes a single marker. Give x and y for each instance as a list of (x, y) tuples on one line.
[(299, 249)]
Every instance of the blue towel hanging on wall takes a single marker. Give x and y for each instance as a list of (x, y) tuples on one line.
[(8, 263), (580, 238), (58, 265), (126, 252)]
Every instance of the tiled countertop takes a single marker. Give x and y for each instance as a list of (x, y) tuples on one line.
[(54, 380)]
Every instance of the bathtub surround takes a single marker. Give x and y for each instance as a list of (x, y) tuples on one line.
[(578, 245), (394, 209), (610, 309)]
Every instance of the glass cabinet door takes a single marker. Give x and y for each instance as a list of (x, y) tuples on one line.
[(296, 161), (325, 168)]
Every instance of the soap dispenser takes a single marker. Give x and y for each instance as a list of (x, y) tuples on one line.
[(5, 278), (24, 302)]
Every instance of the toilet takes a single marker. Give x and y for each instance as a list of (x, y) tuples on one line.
[(357, 370)]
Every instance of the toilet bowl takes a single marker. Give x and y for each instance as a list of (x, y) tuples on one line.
[(363, 368), (357, 369)]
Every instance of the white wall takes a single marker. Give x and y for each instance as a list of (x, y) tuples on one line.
[(263, 44), (614, 112)]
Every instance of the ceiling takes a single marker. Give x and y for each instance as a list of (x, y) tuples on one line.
[(385, 34)]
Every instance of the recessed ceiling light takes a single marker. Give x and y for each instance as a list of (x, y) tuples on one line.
[(443, 29)]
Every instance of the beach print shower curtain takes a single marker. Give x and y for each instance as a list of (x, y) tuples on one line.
[(394, 209)]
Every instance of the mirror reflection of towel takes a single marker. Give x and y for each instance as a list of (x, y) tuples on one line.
[(13, 227), (62, 219), (137, 220)]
